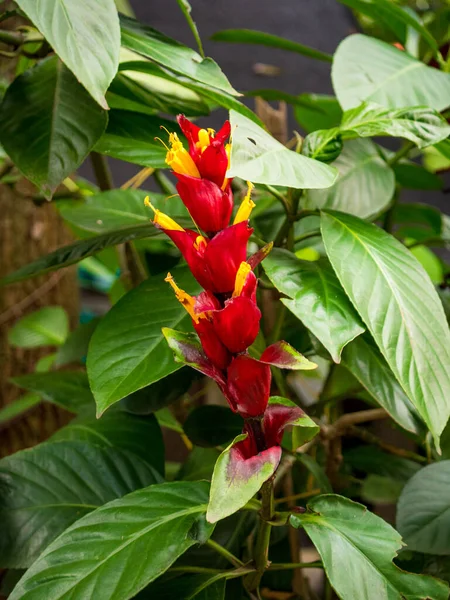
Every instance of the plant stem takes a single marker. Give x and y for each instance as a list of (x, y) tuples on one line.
[(234, 560), (261, 549), (307, 236), (164, 183), (12, 38), (101, 171), (278, 195), (401, 153), (300, 496), (370, 438), (195, 569), (286, 566)]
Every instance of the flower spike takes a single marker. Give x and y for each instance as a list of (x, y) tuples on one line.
[(179, 159), (246, 207)]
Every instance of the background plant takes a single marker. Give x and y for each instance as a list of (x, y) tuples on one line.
[(354, 283)]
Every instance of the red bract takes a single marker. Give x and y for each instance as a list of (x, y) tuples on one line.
[(207, 149), (248, 386), (214, 263), (209, 206)]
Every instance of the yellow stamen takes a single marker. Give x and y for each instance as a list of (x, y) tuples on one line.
[(212, 132), (183, 297), (246, 206), (241, 276), (179, 159), (161, 219), (203, 140), (199, 241), (228, 152)]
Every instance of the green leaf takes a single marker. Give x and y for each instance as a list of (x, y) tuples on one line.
[(211, 425), (324, 145), (394, 16), (365, 68), (365, 184), (421, 125), (74, 349), (68, 389), (357, 548), (260, 158), (415, 177), (116, 208), (118, 429), (199, 464), (250, 36), (318, 111), (400, 307), (316, 471), (423, 511), (18, 407), (48, 487), (131, 136), (48, 326), (86, 40), (73, 253), (161, 521), (417, 220), (128, 351), (236, 480), (49, 124), (187, 587), (316, 298), (373, 460), (380, 490), (163, 50), (363, 359), (212, 96)]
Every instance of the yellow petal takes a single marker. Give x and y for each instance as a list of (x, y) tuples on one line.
[(184, 298), (246, 206), (161, 219), (241, 276)]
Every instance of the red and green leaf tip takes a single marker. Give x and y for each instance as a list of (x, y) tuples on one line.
[(225, 315)]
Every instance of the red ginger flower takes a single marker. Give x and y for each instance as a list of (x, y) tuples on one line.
[(228, 329), (214, 263), (202, 184)]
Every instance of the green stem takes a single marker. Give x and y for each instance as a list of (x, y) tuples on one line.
[(261, 549), (278, 195), (101, 171), (307, 236), (195, 569), (11, 38), (186, 10), (287, 566), (234, 560), (404, 151), (164, 183)]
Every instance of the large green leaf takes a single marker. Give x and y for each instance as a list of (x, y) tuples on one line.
[(187, 587), (85, 35), (250, 36), (212, 96), (396, 17), (318, 111), (163, 50), (68, 389), (49, 123), (142, 534), (235, 480), (365, 185), (116, 208), (119, 429), (400, 307), (128, 351), (423, 511), (48, 487), (48, 326), (421, 125), (357, 548), (365, 68), (316, 298), (73, 253), (227, 425), (131, 136), (259, 157), (363, 359)]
